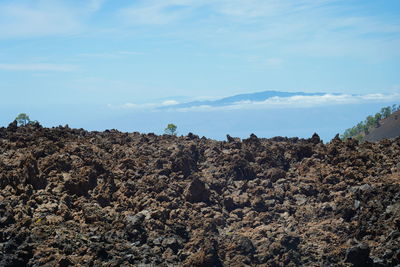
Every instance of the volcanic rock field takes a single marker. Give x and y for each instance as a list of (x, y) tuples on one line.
[(69, 197)]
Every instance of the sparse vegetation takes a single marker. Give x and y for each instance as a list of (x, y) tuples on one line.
[(363, 128), (171, 129), (23, 119)]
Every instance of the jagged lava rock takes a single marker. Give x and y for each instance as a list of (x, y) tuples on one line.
[(69, 197)]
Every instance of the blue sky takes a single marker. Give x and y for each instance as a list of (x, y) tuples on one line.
[(101, 53)]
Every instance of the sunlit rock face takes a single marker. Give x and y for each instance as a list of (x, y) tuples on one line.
[(70, 197)]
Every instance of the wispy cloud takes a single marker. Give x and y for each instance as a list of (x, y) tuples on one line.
[(132, 53), (153, 12), (38, 67), (111, 55), (167, 11), (25, 21), (95, 5), (31, 18), (303, 27), (254, 9), (327, 28), (153, 106)]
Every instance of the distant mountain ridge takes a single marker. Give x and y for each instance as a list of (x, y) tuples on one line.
[(256, 97)]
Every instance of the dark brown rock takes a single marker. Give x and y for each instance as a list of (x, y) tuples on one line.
[(197, 191), (71, 197)]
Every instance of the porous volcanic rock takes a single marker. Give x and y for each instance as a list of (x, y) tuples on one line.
[(69, 197)]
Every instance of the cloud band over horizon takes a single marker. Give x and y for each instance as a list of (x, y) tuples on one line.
[(297, 101)]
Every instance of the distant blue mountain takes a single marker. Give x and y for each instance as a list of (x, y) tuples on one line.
[(259, 96)]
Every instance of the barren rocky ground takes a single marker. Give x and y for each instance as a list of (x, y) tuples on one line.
[(69, 197)]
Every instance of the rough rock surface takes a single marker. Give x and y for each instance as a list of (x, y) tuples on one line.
[(69, 197)]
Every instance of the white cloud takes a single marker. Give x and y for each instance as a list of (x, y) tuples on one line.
[(169, 103), (38, 67), (298, 101), (145, 106)]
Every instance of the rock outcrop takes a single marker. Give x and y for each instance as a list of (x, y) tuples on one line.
[(69, 197)]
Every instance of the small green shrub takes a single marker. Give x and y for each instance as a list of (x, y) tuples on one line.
[(23, 119), (171, 129)]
